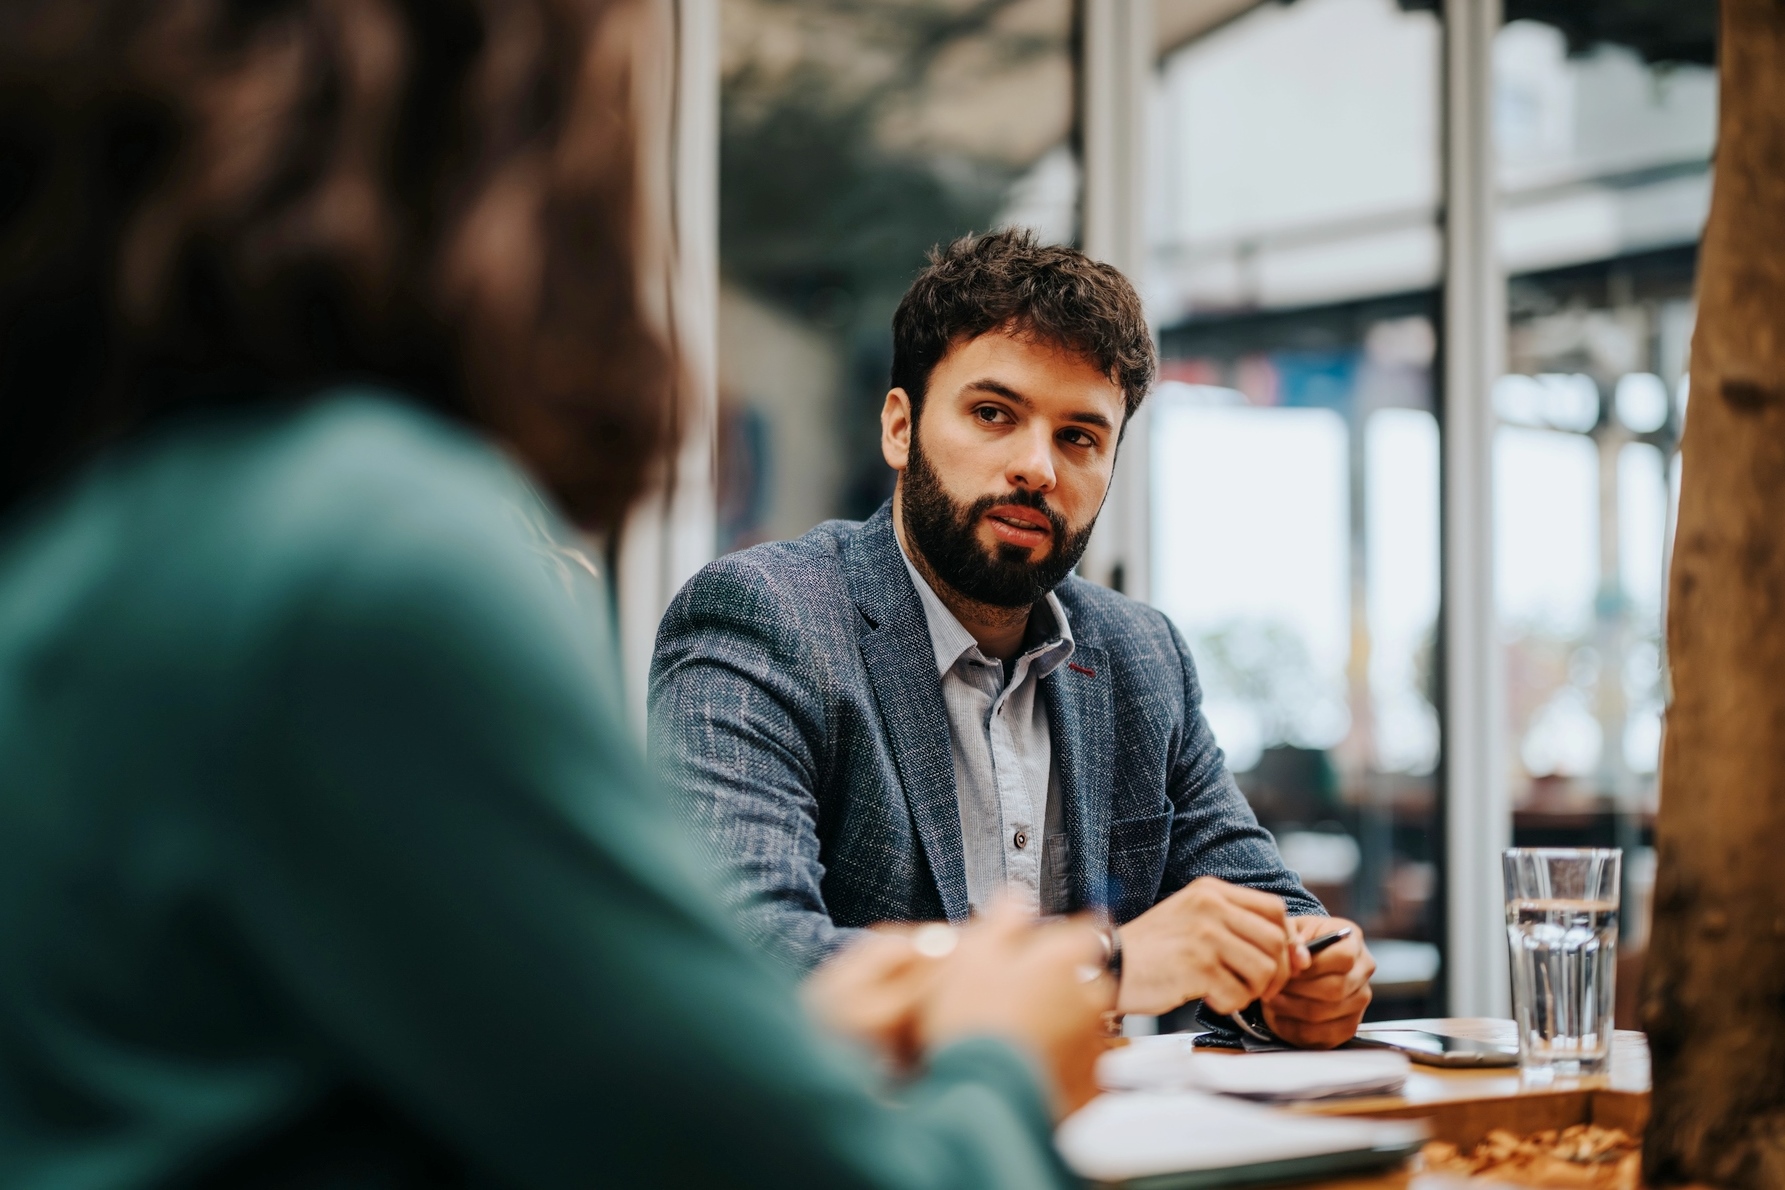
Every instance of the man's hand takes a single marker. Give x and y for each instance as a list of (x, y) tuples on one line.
[(1221, 943), (1321, 1006)]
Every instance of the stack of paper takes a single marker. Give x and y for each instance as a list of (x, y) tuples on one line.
[(1185, 1140), (1170, 1063)]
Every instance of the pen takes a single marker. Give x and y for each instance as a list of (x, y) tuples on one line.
[(1325, 940), (1315, 946)]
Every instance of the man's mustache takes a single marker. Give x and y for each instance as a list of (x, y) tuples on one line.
[(1021, 498)]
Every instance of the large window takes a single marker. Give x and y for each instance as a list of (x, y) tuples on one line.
[(1604, 173), (1294, 248), (1295, 496), (854, 137), (1295, 263)]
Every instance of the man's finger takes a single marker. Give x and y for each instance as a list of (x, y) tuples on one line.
[(1266, 905), (1249, 969), (1323, 1037), (1249, 949), (1352, 978), (1340, 956), (1332, 985), (1301, 1008), (1336, 956), (1319, 987), (1279, 978), (1350, 985), (1269, 937), (1227, 993), (1333, 961)]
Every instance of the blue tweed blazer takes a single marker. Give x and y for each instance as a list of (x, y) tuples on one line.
[(796, 711)]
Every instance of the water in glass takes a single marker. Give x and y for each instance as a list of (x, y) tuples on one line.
[(1564, 967), (1562, 931)]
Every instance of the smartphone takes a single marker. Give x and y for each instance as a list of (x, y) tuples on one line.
[(1441, 1049)]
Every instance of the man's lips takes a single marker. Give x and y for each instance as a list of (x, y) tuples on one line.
[(1019, 525)]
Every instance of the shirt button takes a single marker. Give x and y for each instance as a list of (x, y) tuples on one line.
[(1021, 840)]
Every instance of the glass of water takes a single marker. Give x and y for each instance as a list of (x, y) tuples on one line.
[(1562, 929)]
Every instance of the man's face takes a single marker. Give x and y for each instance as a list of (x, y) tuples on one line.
[(1003, 477)]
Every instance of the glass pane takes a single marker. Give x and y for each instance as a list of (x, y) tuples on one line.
[(1545, 550), (1272, 638), (1401, 456), (854, 137), (1604, 172), (1294, 260)]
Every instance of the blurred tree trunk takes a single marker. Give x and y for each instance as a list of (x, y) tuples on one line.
[(1714, 999)]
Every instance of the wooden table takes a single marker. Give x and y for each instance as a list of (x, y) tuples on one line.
[(1462, 1106)]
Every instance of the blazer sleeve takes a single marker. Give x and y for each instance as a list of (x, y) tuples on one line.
[(1213, 830), (464, 883), (738, 730)]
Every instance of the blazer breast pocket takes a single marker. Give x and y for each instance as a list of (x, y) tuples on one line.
[(1137, 851), (1150, 832)]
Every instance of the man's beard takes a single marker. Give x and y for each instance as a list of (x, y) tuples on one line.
[(947, 535)]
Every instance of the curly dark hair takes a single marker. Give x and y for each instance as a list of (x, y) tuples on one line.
[(1009, 280), (209, 202)]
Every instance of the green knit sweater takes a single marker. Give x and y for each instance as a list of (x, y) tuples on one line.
[(325, 858)]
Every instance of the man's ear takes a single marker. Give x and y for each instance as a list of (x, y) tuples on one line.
[(896, 425)]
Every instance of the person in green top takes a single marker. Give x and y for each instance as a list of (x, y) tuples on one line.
[(325, 859)]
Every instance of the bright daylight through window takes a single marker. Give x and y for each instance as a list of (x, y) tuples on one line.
[(1295, 274)]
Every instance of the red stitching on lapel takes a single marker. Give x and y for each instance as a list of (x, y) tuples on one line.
[(1073, 665)]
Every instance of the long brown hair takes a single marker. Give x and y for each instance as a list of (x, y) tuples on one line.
[(206, 202)]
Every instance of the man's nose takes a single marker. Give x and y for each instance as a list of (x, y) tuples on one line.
[(1031, 466)]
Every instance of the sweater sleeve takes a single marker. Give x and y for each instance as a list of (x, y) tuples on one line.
[(466, 888)]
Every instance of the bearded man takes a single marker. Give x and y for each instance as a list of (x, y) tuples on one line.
[(906, 718)]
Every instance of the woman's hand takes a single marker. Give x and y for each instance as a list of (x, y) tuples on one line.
[(1041, 986), (906, 991), (872, 991)]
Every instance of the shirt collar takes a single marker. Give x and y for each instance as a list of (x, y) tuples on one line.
[(951, 640)]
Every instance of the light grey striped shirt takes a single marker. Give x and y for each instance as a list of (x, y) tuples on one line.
[(1013, 832)]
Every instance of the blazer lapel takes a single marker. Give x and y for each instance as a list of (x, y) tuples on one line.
[(901, 665), (1081, 721)]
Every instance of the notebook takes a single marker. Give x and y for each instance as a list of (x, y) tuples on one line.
[(1187, 1140), (1171, 1062)]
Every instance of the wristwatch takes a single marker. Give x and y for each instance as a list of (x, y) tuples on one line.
[(1112, 950)]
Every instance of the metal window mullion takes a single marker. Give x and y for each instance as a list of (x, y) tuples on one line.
[(1116, 93), (672, 532), (1477, 810)]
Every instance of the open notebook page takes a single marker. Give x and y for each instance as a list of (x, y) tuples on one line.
[(1135, 1135)]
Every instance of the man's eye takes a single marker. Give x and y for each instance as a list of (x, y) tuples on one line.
[(988, 413), (1078, 438)]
